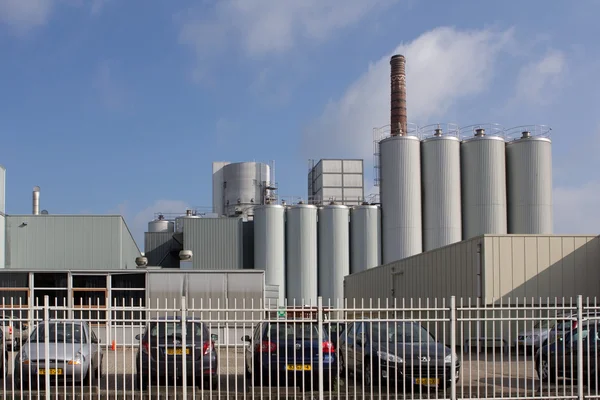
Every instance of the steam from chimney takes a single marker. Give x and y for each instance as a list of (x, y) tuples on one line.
[(398, 98), (36, 200)]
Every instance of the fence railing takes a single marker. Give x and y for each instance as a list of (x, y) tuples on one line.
[(454, 349)]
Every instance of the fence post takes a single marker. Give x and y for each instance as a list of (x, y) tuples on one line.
[(184, 344), (579, 348), (453, 347), (320, 346), (47, 346)]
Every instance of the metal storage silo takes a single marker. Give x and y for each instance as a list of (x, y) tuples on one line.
[(269, 245), (365, 238), (440, 179), (529, 178), (244, 186), (179, 221), (161, 225), (483, 175), (301, 254), (334, 252), (400, 194)]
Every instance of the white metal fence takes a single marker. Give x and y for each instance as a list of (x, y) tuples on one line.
[(456, 349)]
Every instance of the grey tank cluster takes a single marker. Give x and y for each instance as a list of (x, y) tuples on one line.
[(307, 250)]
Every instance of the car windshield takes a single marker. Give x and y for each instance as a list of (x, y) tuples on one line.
[(59, 332), (564, 325), (400, 332), (195, 331), (293, 331), (544, 324)]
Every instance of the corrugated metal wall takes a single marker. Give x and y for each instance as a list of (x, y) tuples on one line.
[(215, 242), (162, 249), (526, 266), (69, 242)]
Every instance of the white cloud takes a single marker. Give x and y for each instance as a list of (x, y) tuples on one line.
[(442, 66), (21, 16), (539, 81), (263, 27), (576, 209)]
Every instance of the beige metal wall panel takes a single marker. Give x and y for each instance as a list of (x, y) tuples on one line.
[(533, 266), (331, 166), (353, 180), (332, 180), (353, 166)]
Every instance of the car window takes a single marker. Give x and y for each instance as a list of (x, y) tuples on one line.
[(59, 332), (169, 329), (400, 332), (94, 337), (293, 331)]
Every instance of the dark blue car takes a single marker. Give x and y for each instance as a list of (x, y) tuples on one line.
[(286, 353)]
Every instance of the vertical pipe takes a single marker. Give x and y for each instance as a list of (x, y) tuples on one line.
[(398, 95), (36, 200)]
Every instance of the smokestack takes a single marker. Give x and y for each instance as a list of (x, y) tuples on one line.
[(398, 98), (36, 200)]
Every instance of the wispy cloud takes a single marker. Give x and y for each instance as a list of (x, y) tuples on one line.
[(22, 16), (440, 72), (539, 81)]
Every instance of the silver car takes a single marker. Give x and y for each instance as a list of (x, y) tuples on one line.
[(75, 354), (536, 337)]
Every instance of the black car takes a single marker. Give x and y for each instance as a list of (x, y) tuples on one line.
[(401, 351), (162, 352)]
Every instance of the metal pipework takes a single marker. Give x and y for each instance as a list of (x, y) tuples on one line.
[(36, 201), (398, 96)]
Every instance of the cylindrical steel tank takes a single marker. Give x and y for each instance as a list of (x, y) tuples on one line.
[(400, 194), (529, 178), (365, 238), (161, 225), (179, 221), (440, 179), (269, 245), (244, 187), (483, 176), (334, 253), (301, 254)]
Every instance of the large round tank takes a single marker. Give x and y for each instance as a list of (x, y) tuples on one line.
[(365, 238), (400, 194), (301, 254), (483, 175), (160, 225), (334, 252), (179, 221), (269, 245), (440, 179), (244, 187), (529, 178)]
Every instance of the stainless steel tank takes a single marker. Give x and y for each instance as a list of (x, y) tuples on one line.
[(529, 178), (244, 186), (440, 180), (334, 252), (365, 238), (483, 174), (161, 225), (269, 245), (301, 254), (400, 193)]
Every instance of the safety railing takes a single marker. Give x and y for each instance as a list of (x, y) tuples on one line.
[(184, 348)]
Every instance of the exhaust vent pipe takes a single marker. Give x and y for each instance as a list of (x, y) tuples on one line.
[(36, 201), (398, 96)]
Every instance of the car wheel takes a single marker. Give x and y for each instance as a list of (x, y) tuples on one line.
[(368, 378), (545, 372)]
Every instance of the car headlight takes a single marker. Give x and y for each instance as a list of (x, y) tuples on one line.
[(448, 359), (79, 358), (389, 357)]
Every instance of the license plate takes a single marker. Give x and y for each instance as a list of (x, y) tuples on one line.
[(299, 368), (177, 352), (427, 381), (51, 371)]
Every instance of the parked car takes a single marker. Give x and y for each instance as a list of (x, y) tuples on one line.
[(15, 333), (567, 323), (401, 351), (335, 330), (75, 354), (560, 358), (285, 352), (161, 354), (536, 337), (4, 358)]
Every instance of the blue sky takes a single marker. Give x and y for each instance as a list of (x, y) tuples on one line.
[(115, 106)]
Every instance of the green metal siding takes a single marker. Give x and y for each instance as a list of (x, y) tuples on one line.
[(69, 242), (215, 242)]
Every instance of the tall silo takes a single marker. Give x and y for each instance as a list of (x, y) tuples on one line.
[(334, 252), (483, 176), (529, 177), (440, 179), (161, 225), (400, 194), (301, 254), (245, 185), (365, 238), (269, 245)]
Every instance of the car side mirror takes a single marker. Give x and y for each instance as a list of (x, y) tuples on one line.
[(246, 338), (214, 337), (137, 337)]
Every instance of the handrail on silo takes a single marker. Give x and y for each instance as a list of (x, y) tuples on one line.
[(518, 132), (439, 129), (487, 128)]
